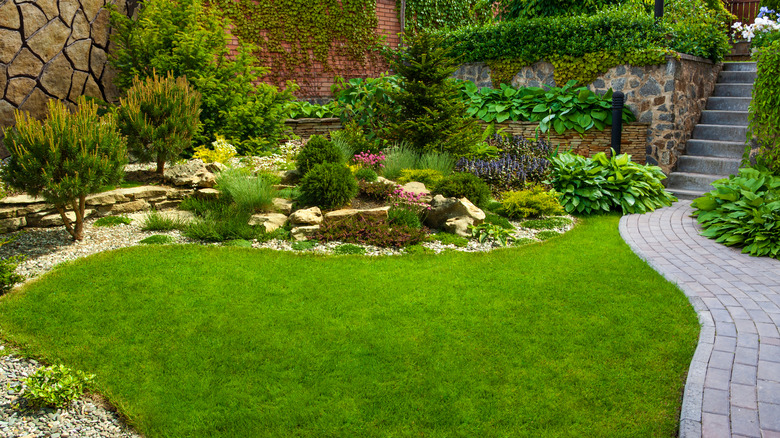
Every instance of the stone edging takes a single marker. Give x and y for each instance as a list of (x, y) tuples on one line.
[(693, 395)]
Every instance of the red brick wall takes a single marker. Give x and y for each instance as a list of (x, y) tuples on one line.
[(315, 82)]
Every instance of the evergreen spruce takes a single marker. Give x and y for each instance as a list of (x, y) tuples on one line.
[(65, 158), (430, 115)]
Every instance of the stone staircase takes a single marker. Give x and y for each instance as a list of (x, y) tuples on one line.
[(718, 141)]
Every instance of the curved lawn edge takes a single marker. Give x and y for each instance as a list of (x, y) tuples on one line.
[(594, 243)]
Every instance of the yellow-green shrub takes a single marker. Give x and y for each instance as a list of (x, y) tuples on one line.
[(532, 202)]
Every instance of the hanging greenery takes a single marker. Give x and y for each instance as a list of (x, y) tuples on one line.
[(440, 14), (291, 35)]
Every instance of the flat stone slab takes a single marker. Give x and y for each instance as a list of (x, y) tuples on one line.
[(21, 199), (380, 212)]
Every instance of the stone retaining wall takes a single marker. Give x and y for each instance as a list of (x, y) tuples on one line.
[(634, 139), (53, 49), (22, 211), (668, 97)]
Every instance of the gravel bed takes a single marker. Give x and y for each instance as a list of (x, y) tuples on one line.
[(83, 418)]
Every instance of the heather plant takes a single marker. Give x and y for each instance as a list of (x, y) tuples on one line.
[(463, 185), (378, 191), (366, 230), (317, 150), (65, 158), (349, 249), (328, 185), (532, 202), (54, 386)]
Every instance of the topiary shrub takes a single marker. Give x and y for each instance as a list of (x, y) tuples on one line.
[(328, 185), (159, 116), (366, 174), (316, 151), (765, 108), (463, 185), (533, 202), (65, 158)]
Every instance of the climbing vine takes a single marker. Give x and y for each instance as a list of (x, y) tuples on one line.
[(290, 35), (440, 14)]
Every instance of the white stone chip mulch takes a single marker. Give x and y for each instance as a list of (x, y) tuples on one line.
[(45, 248)]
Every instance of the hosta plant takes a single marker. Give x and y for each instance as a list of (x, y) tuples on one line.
[(496, 233), (744, 211), (603, 184)]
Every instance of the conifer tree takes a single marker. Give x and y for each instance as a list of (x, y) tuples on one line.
[(65, 158)]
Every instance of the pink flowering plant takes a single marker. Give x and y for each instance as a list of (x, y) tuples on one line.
[(372, 161), (400, 198)]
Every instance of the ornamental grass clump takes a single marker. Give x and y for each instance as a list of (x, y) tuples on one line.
[(250, 193), (65, 158), (366, 230), (159, 116)]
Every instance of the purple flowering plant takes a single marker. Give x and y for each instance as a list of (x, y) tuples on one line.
[(370, 160)]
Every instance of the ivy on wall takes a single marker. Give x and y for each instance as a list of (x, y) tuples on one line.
[(293, 34), (440, 14)]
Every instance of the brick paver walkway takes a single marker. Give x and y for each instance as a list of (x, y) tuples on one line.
[(733, 386)]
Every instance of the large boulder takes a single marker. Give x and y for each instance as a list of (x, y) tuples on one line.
[(308, 216), (454, 214), (305, 232), (270, 221), (285, 206), (193, 173)]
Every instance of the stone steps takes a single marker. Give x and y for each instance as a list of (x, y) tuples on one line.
[(718, 141)]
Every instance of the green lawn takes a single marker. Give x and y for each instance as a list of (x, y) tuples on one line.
[(571, 338)]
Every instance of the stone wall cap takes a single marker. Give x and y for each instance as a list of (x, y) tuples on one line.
[(21, 199), (313, 120), (687, 57)]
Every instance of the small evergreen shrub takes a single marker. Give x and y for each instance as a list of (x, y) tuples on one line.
[(536, 201), (54, 386), (378, 191), (523, 241), (494, 219), (73, 154), (156, 221), (601, 184), (429, 177), (463, 185), (449, 239), (348, 248), (158, 239), (405, 216), (239, 243), (110, 221), (8, 275), (317, 150), (328, 185), (765, 108), (549, 223), (547, 234), (159, 116), (249, 193), (365, 230), (220, 152), (304, 245), (427, 111), (366, 174)]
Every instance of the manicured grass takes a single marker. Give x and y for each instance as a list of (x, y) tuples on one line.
[(575, 337)]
